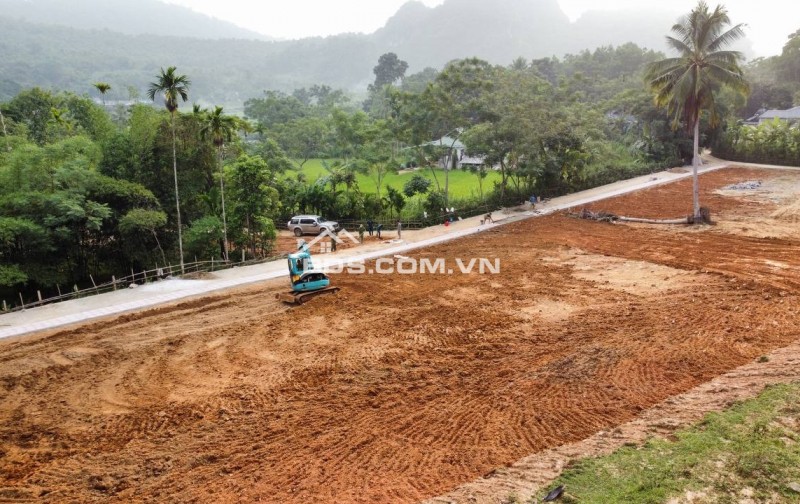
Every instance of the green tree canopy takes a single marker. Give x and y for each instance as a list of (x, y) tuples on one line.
[(389, 70)]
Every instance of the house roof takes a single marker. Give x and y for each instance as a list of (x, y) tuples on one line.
[(792, 113), (447, 141)]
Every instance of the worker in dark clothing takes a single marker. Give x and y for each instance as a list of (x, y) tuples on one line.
[(370, 227), (380, 226)]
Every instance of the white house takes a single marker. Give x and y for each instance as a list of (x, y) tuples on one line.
[(791, 115), (459, 153)]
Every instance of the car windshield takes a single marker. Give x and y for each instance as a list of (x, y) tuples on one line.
[(322, 219)]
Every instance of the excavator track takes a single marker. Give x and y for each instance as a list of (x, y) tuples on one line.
[(302, 297)]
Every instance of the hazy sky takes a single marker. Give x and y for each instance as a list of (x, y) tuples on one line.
[(769, 21)]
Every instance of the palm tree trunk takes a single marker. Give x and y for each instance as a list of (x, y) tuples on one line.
[(503, 180), (695, 164), (177, 197), (447, 183), (5, 133), (222, 194)]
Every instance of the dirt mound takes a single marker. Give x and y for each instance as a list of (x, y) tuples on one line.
[(788, 213), (199, 275)]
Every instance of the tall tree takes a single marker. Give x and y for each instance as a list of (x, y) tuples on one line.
[(104, 88), (172, 86), (687, 84), (256, 202), (457, 100), (220, 128), (389, 70)]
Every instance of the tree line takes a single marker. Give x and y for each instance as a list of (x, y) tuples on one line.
[(87, 189)]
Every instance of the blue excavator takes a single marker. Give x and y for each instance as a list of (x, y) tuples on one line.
[(307, 282)]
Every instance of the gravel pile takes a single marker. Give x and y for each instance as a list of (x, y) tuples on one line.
[(744, 186)]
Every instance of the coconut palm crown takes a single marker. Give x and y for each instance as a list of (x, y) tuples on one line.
[(103, 88), (172, 86)]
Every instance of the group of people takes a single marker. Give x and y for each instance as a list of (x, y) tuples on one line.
[(375, 230), (372, 229)]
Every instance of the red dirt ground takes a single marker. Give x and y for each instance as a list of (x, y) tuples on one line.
[(401, 387), (286, 242)]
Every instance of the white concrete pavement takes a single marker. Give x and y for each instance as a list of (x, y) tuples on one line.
[(149, 295)]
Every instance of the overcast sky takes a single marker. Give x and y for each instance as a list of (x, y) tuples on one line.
[(769, 21)]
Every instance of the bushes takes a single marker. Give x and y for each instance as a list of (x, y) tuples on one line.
[(776, 142)]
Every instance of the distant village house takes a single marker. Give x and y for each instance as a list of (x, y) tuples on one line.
[(791, 115)]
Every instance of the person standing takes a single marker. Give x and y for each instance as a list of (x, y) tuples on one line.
[(361, 233), (399, 229), (370, 225)]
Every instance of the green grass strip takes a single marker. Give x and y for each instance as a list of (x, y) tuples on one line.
[(748, 453)]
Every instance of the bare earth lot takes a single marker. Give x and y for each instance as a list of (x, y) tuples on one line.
[(404, 387)]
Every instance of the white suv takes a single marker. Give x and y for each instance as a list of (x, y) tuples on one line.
[(311, 224)]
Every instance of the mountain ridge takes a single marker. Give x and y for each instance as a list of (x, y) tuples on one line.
[(228, 71), (143, 17)]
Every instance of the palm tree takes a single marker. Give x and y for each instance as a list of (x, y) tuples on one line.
[(172, 86), (245, 126), (686, 84), (104, 88), (220, 128)]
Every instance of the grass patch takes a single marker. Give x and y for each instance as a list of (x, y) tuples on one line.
[(750, 451), (463, 184)]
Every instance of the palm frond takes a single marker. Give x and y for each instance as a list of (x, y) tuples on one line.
[(679, 45), (728, 77), (657, 69), (683, 30), (725, 58), (727, 38)]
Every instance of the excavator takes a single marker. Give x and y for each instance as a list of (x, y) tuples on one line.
[(307, 282)]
